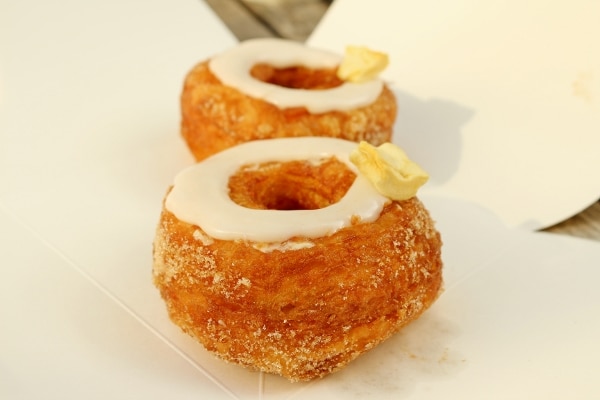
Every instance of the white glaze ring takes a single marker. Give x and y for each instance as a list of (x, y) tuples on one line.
[(200, 193), (234, 65)]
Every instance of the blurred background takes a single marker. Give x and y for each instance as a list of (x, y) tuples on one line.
[(289, 19)]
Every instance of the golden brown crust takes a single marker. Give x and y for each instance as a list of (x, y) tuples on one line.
[(215, 116), (300, 313)]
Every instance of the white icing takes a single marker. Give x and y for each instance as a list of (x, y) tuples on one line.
[(233, 66), (200, 194)]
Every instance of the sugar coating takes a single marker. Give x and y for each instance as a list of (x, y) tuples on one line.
[(300, 312)]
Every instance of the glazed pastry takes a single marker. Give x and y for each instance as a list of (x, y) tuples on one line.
[(268, 88), (288, 255)]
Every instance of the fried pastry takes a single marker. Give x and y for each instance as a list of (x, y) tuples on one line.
[(268, 88), (281, 255)]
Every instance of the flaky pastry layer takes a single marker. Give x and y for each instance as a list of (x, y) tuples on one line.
[(305, 308)]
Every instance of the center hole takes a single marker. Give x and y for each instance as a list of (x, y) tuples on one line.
[(297, 77), (291, 185)]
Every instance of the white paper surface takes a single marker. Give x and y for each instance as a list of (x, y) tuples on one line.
[(499, 100), (63, 338), (89, 143)]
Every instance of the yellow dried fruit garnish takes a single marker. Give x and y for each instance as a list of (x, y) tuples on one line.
[(361, 64), (389, 169)]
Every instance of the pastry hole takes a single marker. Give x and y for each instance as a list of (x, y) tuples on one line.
[(297, 77), (292, 185)]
